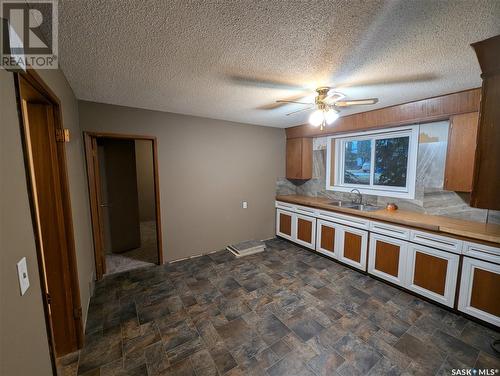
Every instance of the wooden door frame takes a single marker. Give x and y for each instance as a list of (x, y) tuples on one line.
[(90, 139), (31, 77)]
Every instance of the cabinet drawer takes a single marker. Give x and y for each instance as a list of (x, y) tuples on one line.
[(386, 229), (284, 206), (482, 252), (437, 241), (312, 212), (344, 219)]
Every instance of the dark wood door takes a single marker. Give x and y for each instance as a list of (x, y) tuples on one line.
[(285, 223), (40, 133), (460, 156), (485, 292), (387, 257), (119, 202), (327, 238), (299, 158)]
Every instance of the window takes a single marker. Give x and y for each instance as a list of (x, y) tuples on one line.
[(380, 162)]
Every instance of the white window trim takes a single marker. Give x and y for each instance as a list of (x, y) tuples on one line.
[(399, 192)]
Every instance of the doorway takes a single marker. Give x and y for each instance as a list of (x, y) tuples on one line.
[(124, 194), (48, 189)]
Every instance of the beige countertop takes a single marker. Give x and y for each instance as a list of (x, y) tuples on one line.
[(487, 232)]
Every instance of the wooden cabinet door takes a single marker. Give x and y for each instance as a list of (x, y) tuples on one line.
[(352, 246), (460, 156), (326, 238), (432, 273), (284, 224), (480, 290), (387, 258), (299, 158), (305, 230)]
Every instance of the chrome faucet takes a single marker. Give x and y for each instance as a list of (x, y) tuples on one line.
[(360, 196)]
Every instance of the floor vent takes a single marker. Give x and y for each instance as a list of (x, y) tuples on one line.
[(246, 248)]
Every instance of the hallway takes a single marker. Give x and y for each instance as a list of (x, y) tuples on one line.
[(145, 255)]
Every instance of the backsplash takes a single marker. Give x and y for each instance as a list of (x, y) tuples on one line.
[(430, 198)]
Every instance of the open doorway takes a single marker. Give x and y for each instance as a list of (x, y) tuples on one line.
[(124, 192)]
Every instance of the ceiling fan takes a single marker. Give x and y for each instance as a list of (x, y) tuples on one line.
[(327, 103)]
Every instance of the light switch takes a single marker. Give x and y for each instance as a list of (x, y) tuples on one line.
[(22, 271), (244, 204)]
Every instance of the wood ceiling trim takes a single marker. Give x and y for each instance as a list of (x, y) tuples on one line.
[(429, 109)]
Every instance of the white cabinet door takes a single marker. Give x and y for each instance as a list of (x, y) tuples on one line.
[(432, 273), (480, 290), (352, 246), (387, 258), (304, 230), (285, 224), (327, 237)]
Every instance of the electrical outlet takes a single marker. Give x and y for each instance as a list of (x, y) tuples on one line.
[(244, 205), (22, 272)]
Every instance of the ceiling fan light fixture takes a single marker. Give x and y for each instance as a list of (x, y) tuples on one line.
[(316, 118), (331, 116)]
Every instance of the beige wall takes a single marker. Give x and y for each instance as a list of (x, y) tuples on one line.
[(145, 179), (207, 168), (24, 347)]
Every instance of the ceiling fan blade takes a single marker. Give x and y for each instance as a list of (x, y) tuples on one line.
[(408, 79), (296, 112), (264, 82), (286, 101), (356, 102)]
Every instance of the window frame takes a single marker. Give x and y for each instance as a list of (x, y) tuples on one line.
[(408, 191)]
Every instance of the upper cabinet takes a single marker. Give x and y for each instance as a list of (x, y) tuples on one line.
[(459, 171), (487, 164), (299, 158)]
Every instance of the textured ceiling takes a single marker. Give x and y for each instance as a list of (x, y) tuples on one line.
[(233, 59)]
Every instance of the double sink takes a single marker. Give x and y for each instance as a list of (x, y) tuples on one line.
[(352, 205)]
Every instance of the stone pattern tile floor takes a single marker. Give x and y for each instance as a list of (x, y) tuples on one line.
[(286, 311)]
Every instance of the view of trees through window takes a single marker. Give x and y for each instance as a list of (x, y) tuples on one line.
[(357, 162), (391, 161), (389, 165)]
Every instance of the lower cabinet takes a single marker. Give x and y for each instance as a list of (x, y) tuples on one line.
[(352, 246), (480, 290), (284, 224), (432, 273), (298, 228), (326, 238), (305, 230), (387, 258)]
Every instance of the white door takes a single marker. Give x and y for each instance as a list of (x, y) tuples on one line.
[(387, 258), (327, 236), (284, 224), (432, 273), (352, 246), (480, 290), (304, 230)]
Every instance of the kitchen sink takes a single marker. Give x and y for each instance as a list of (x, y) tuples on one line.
[(362, 207), (339, 203), (350, 205)]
